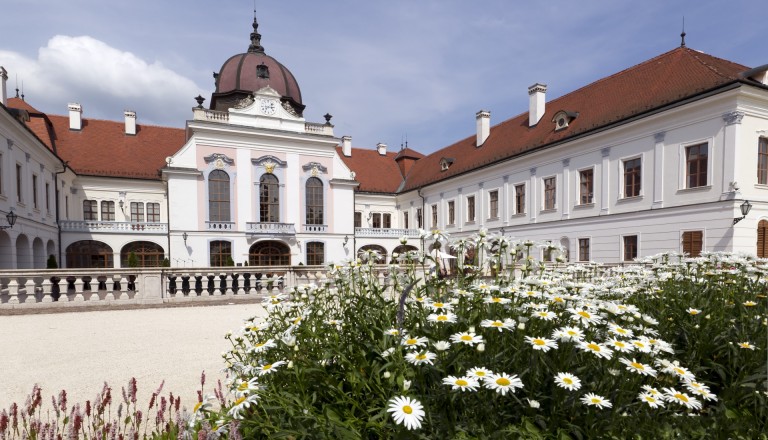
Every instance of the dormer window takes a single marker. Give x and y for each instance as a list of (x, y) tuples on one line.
[(446, 163), (563, 118)]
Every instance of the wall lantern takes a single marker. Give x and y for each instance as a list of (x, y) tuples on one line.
[(184, 236), (745, 208), (346, 240), (11, 218)]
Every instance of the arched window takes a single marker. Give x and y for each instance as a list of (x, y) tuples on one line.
[(314, 197), (403, 248), (269, 253), (148, 254), (315, 253), (366, 250), (762, 239), (221, 253), (269, 199), (89, 254), (218, 196)]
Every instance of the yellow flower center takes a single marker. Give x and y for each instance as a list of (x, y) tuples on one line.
[(571, 333), (239, 401), (595, 400), (497, 324), (197, 407), (421, 357), (503, 381), (260, 345), (639, 344), (539, 342), (584, 314), (593, 347), (297, 320), (568, 380), (557, 299), (438, 305), (442, 318), (407, 409), (679, 371), (681, 397), (496, 300), (266, 367), (621, 331), (619, 344), (462, 382), (480, 373), (466, 338), (750, 304), (243, 386), (638, 365), (410, 341), (694, 312)]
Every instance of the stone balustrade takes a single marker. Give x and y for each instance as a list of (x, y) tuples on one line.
[(315, 228), (220, 226), (315, 128), (203, 114), (106, 226), (386, 232), (268, 228)]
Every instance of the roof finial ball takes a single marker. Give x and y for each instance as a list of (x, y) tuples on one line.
[(200, 101), (328, 117)]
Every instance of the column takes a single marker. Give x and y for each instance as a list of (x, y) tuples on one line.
[(658, 170), (566, 192), (504, 200), (533, 206), (732, 154), (605, 178)]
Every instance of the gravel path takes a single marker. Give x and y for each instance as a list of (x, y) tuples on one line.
[(79, 351)]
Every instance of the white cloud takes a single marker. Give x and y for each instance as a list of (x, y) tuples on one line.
[(105, 80)]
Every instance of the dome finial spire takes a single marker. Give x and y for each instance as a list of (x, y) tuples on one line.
[(255, 46)]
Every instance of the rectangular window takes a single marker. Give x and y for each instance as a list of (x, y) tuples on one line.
[(66, 207), (419, 218), (90, 211), (1, 174), (586, 186), (632, 177), (18, 183), (471, 208), (434, 216), (358, 219), (520, 199), (692, 242), (493, 204), (550, 193), (107, 211), (137, 212), (315, 253), (386, 221), (34, 192), (583, 249), (451, 213), (153, 212), (405, 220), (48, 197), (762, 162), (376, 220), (630, 247), (221, 253), (696, 165)]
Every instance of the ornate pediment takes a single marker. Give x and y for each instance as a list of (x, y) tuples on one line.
[(315, 167), (269, 162), (219, 160)]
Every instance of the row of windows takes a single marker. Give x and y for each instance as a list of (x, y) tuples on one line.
[(91, 211), (268, 253), (378, 220), (691, 244), (35, 187), (219, 203)]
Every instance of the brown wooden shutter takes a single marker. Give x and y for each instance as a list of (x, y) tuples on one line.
[(693, 242), (762, 238)]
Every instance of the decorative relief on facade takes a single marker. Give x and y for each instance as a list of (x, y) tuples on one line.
[(315, 168), (533, 171), (287, 107), (659, 137), (566, 162), (10, 143), (245, 102), (219, 160), (269, 167), (734, 117), (606, 151)]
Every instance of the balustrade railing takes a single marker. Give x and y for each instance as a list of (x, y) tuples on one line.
[(270, 228), (202, 114), (315, 228), (386, 232), (219, 226), (106, 226), (315, 128)]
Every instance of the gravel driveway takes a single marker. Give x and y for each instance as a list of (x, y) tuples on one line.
[(79, 351)]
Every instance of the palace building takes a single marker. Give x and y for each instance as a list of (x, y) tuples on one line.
[(662, 156)]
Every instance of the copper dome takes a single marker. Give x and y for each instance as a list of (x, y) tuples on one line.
[(243, 74)]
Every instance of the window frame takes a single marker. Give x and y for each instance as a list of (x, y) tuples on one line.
[(520, 201), (313, 253), (35, 200), (586, 188), (90, 210), (690, 241), (631, 179), (471, 204), (493, 204), (19, 184), (451, 213), (376, 220), (434, 216), (137, 212), (386, 220), (419, 218), (107, 215), (550, 193), (152, 217), (762, 160), (219, 260), (585, 252), (629, 247), (685, 177), (219, 196), (405, 219), (269, 201), (314, 201)]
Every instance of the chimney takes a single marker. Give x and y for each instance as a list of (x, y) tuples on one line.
[(346, 145), (537, 99), (3, 89), (75, 116), (130, 122), (483, 118), (381, 148)]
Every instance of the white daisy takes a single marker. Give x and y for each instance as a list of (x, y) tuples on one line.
[(542, 344), (417, 358), (746, 345), (441, 345), (672, 395), (260, 347), (568, 334), (620, 331), (692, 311), (497, 300), (620, 346), (567, 381), (241, 404), (406, 411), (265, 369), (442, 318), (584, 316), (464, 383), (508, 324), (545, 315), (411, 342), (468, 338), (595, 400), (651, 400), (502, 383), (638, 367), (479, 373), (436, 306), (598, 350)]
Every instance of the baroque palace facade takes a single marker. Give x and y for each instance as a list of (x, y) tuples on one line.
[(661, 156)]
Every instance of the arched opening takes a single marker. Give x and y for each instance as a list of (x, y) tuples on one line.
[(89, 254), (23, 253), (218, 196), (38, 253), (762, 239), (6, 251), (50, 249), (565, 243), (269, 199), (148, 254), (403, 248), (368, 250), (314, 199), (269, 253)]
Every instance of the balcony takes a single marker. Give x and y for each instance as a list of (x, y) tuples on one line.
[(113, 227), (220, 226), (315, 228), (389, 232), (314, 128), (265, 228)]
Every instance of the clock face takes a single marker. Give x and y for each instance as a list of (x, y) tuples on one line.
[(268, 106)]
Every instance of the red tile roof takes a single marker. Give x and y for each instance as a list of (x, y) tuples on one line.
[(102, 148), (678, 74), (376, 173)]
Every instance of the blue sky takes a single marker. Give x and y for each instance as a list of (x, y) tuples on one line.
[(385, 70)]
